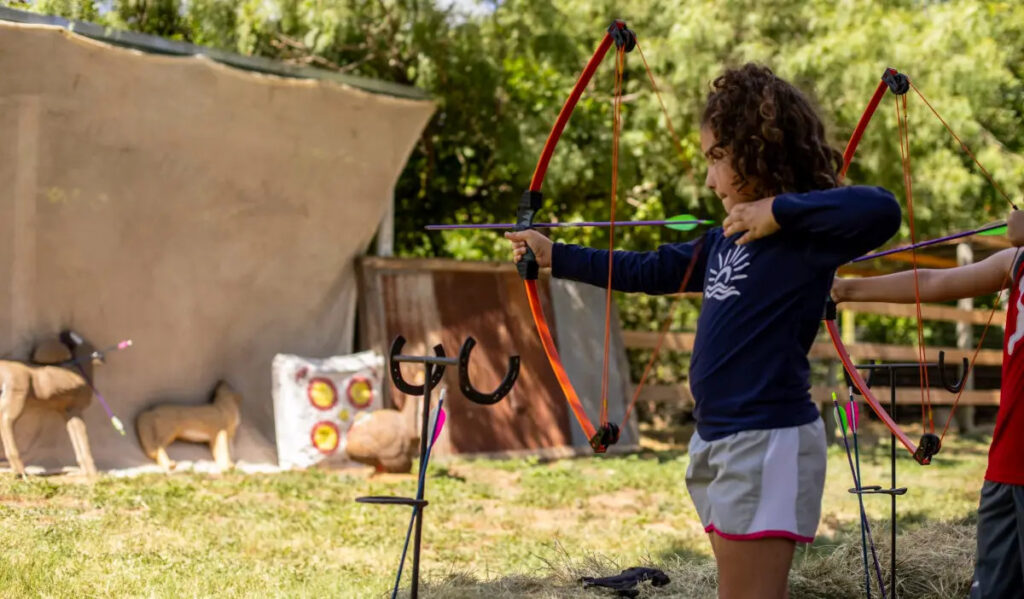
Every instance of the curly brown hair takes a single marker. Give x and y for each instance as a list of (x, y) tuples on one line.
[(773, 131)]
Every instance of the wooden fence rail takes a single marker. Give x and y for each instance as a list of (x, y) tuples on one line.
[(859, 351)]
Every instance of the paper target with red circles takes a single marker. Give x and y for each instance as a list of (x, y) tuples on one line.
[(316, 402), (322, 393), (325, 437), (360, 392)]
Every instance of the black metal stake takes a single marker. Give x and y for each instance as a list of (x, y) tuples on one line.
[(892, 471), (433, 371), (892, 491), (420, 488)]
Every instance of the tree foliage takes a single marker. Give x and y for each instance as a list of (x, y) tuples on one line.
[(500, 76)]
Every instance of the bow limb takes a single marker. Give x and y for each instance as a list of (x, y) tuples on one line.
[(556, 361), (865, 390), (851, 146), (899, 84), (570, 104), (530, 203)]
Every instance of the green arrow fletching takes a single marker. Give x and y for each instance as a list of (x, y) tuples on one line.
[(840, 414), (689, 223), (997, 231)]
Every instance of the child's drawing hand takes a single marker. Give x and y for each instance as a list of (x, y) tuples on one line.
[(1015, 227), (540, 245), (755, 218), (839, 290)]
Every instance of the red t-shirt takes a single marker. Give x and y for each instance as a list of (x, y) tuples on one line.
[(1006, 456)]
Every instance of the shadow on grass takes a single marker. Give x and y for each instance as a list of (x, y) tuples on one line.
[(662, 456), (443, 471)]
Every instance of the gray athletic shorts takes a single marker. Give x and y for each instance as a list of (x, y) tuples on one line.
[(760, 483), (999, 571)]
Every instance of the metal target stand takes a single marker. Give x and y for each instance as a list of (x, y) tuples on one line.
[(433, 371), (874, 368)]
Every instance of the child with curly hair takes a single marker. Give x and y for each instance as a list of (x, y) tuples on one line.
[(757, 459)]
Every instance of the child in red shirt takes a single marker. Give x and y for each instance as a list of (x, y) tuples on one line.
[(999, 569)]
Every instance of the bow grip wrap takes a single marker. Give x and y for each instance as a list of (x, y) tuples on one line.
[(830, 310), (529, 204)]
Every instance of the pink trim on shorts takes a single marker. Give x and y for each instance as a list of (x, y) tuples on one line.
[(761, 534)]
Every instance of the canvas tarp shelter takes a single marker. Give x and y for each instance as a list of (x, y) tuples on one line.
[(209, 213)]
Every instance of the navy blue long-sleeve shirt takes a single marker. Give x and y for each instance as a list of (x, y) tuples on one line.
[(763, 301)]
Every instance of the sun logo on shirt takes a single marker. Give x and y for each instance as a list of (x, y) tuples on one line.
[(730, 269)]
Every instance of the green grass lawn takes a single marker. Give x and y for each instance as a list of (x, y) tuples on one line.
[(517, 528)]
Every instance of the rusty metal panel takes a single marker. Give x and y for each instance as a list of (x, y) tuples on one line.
[(444, 301), (492, 308)]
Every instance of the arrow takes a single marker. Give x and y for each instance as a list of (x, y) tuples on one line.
[(851, 416), (993, 229), (436, 422), (682, 222), (848, 418), (993, 232), (101, 354), (439, 420)]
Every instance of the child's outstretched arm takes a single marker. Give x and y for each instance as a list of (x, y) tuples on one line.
[(659, 272), (936, 285), (843, 222)]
